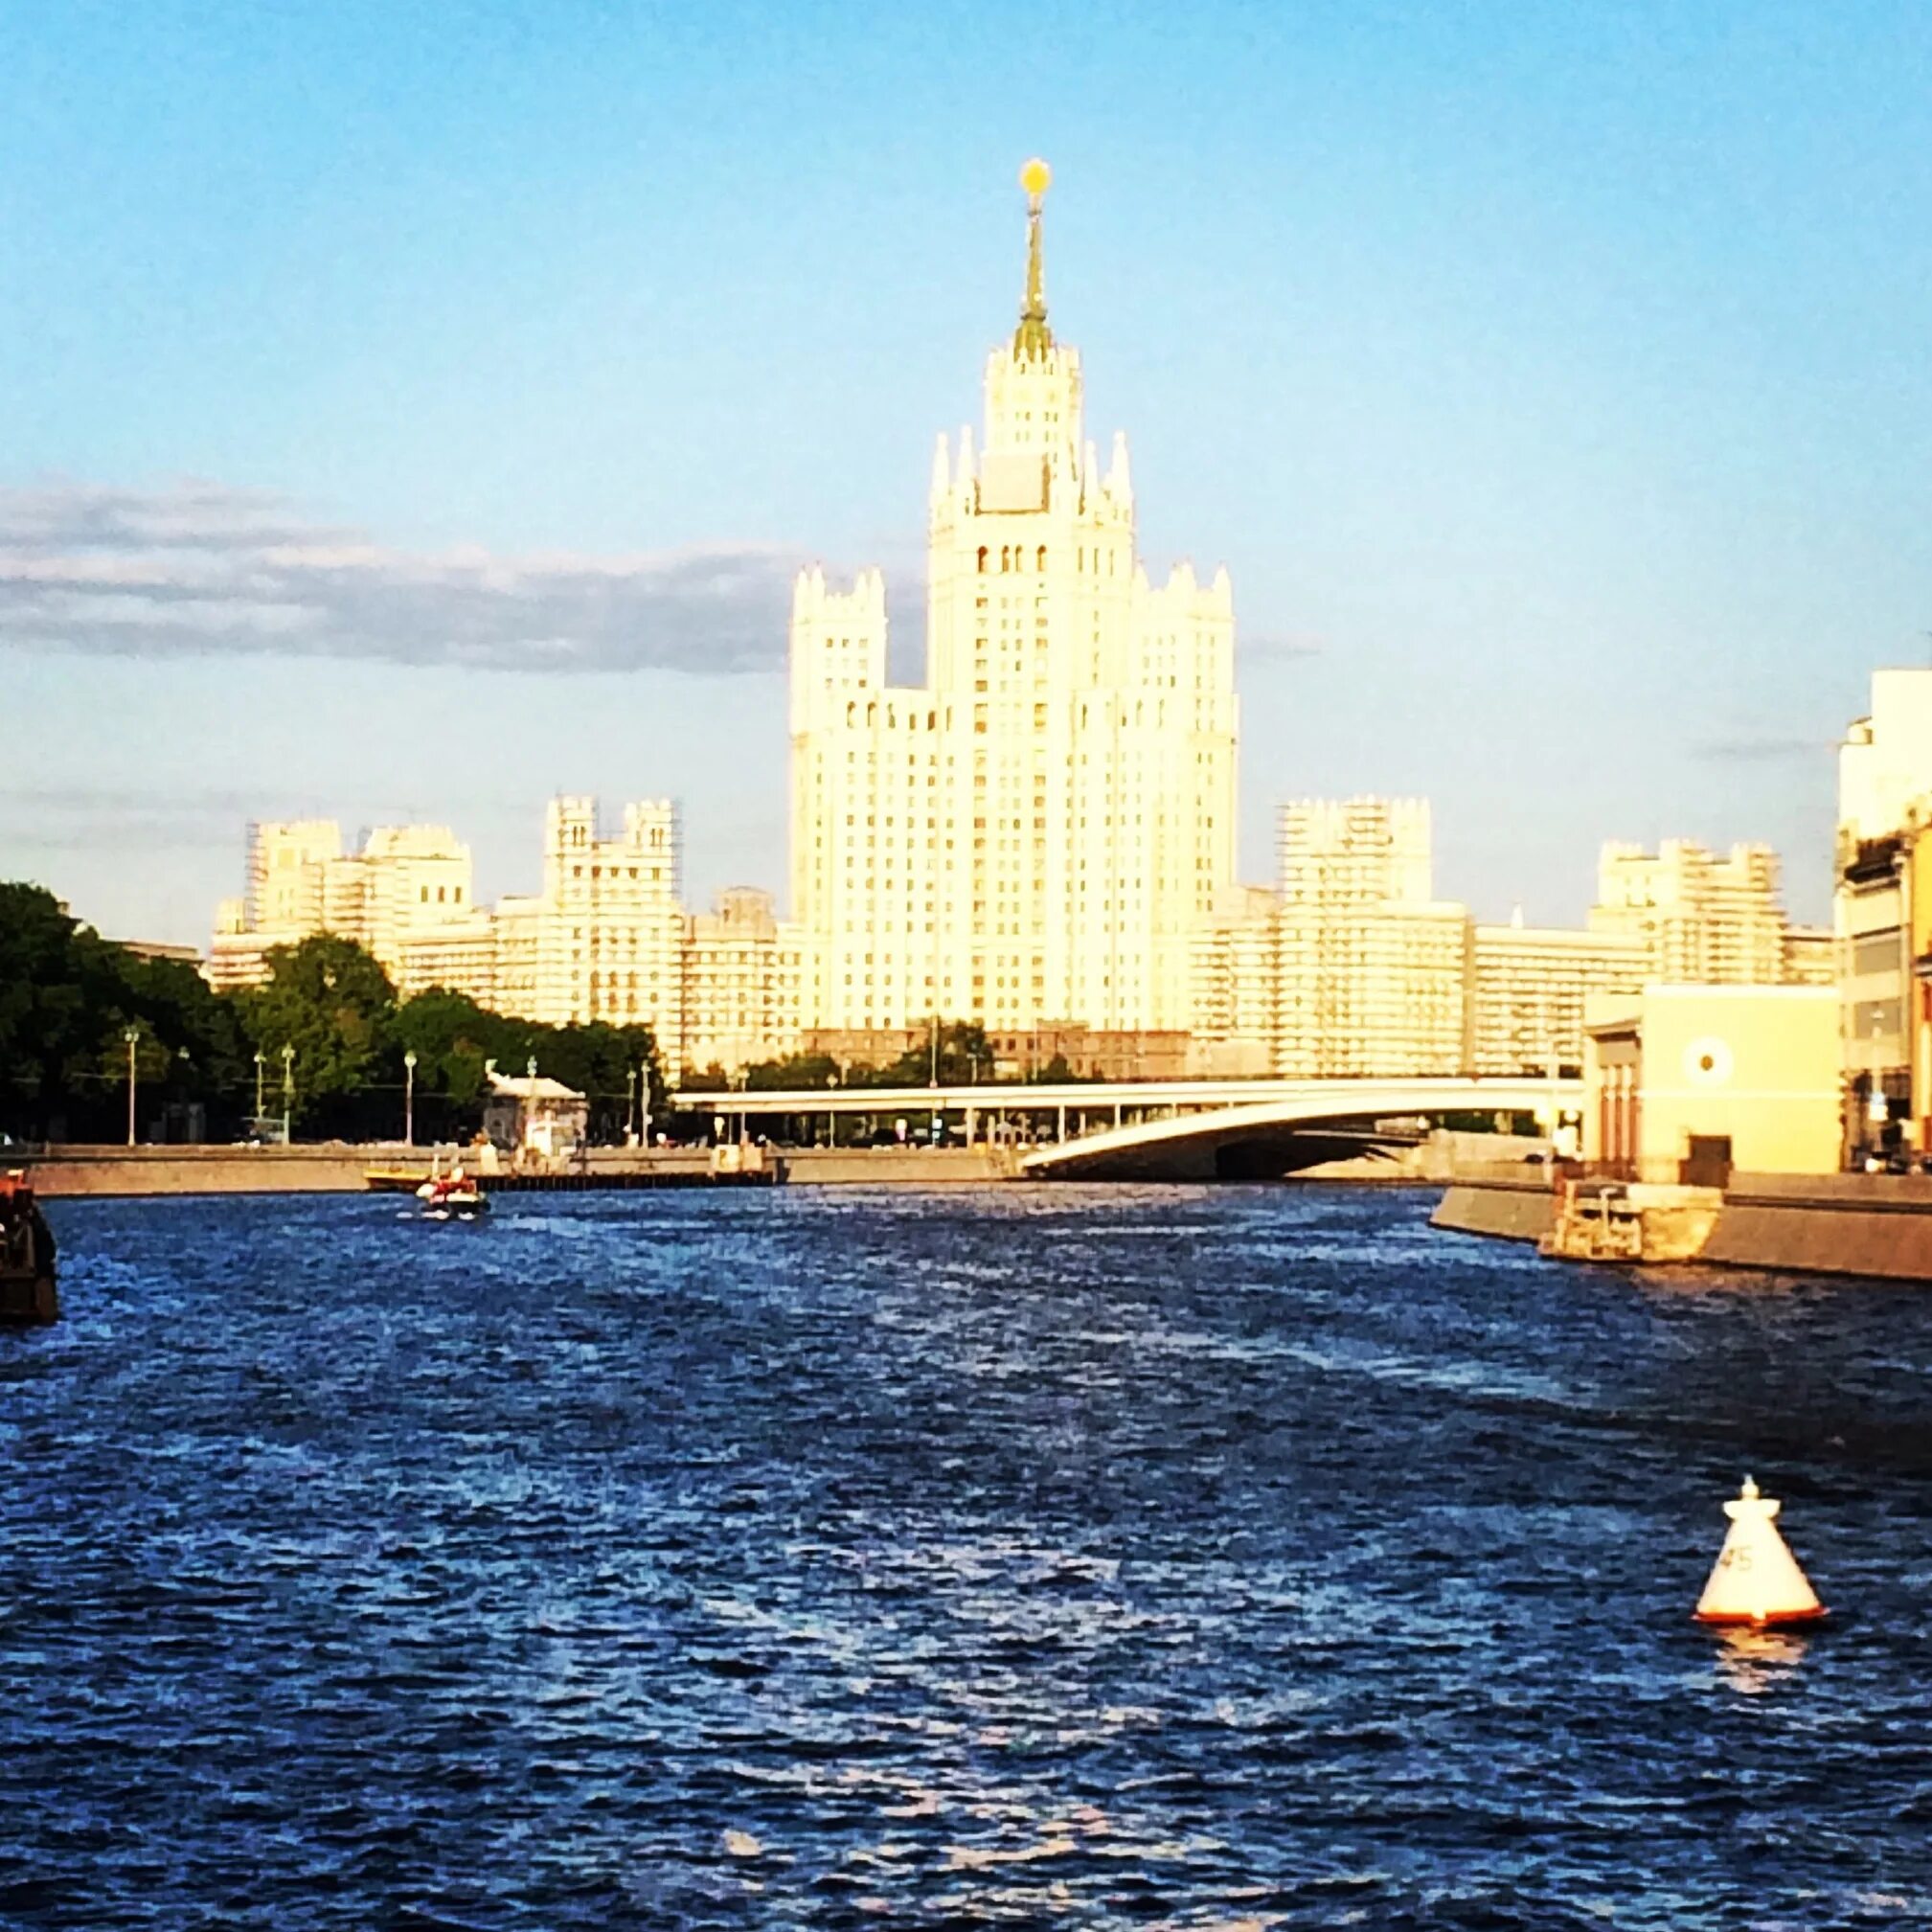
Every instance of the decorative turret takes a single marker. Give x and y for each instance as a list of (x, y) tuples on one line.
[(1032, 338)]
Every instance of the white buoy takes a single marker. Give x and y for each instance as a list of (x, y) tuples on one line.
[(1756, 1578)]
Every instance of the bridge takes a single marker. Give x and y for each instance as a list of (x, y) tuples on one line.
[(1258, 1137), (1171, 1130)]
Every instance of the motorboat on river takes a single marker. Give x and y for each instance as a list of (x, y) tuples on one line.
[(452, 1196), (27, 1251)]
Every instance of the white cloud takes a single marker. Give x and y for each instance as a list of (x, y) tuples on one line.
[(198, 567)]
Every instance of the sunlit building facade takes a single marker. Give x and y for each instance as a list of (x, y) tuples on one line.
[(1370, 964), (407, 895), (1529, 987), (744, 983), (1882, 919), (1709, 920), (1033, 832)]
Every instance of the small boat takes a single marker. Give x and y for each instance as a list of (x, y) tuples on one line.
[(27, 1251), (452, 1196)]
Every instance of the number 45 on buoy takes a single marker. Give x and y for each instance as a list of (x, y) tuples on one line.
[(1755, 1580)]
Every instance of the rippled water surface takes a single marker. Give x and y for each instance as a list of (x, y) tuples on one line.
[(1083, 1557)]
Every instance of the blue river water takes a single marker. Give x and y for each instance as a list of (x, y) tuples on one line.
[(1079, 1557)]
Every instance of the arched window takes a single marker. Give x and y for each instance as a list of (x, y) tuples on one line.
[(983, 560), (1041, 564)]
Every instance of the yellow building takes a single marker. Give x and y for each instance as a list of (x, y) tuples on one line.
[(1687, 1083), (1032, 833)]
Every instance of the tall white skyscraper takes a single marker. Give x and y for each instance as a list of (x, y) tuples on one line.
[(1033, 833)]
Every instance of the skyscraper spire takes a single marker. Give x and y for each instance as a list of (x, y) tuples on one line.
[(1033, 337)]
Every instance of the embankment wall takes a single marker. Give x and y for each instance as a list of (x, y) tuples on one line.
[(1835, 1224), (892, 1167), (1511, 1210), (1877, 1225), (200, 1171), (70, 1172)]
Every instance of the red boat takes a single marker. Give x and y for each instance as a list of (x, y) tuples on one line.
[(27, 1293)]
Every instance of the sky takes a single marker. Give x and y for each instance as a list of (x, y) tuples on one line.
[(413, 411)]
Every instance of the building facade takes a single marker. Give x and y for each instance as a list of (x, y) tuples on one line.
[(1237, 972), (1709, 920), (609, 934), (604, 941), (1371, 967), (407, 895), (1529, 987), (744, 983), (1883, 918), (1032, 834), (1683, 1082)]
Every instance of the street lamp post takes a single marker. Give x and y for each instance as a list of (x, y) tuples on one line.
[(288, 1091), (409, 1098), (132, 1035), (260, 1059), (643, 1105), (631, 1106)]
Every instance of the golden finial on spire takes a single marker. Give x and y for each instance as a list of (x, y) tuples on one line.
[(1033, 337)]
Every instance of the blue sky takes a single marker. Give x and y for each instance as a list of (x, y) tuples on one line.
[(1553, 381)]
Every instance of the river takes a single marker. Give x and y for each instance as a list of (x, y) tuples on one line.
[(1062, 1556)]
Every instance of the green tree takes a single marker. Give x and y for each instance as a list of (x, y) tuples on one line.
[(67, 997), (328, 999), (50, 1012), (795, 1070)]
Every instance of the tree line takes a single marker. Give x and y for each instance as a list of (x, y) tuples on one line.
[(324, 1041)]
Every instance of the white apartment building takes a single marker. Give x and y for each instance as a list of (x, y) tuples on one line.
[(407, 896), (744, 983), (1352, 966), (1528, 986), (1709, 920), (1885, 761), (609, 929), (1883, 915), (1370, 966), (1033, 833), (604, 941), (1237, 985)]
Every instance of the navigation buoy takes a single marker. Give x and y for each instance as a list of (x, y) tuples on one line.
[(1756, 1578)]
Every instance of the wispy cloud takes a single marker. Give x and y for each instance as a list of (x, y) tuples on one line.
[(1277, 646), (1760, 750), (198, 568)]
